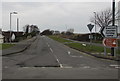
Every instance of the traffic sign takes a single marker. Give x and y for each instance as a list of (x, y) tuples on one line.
[(110, 42), (102, 31), (109, 32), (90, 26)]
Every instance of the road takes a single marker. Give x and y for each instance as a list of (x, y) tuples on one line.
[(48, 59)]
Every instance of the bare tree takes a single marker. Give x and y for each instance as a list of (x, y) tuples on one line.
[(103, 18)]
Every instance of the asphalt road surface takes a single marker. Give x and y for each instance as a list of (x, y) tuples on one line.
[(48, 59)]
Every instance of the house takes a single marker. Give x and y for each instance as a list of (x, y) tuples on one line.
[(86, 37), (13, 36), (1, 37), (56, 32)]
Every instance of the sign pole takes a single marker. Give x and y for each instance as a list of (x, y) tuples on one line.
[(113, 23), (105, 52), (90, 37), (90, 26)]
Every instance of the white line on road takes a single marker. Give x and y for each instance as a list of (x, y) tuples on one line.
[(114, 65), (51, 50), (69, 52), (48, 45), (76, 56), (59, 62), (86, 67), (68, 67), (56, 58), (61, 66)]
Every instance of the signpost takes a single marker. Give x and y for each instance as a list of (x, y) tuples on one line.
[(109, 32), (90, 27), (110, 37), (110, 42)]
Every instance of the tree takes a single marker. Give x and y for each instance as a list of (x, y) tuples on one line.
[(47, 32), (26, 28), (63, 32), (103, 18), (31, 30)]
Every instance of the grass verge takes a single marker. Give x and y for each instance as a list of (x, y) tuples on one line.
[(5, 46), (80, 46), (59, 39), (87, 47)]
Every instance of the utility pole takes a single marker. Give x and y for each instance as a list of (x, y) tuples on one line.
[(113, 23)]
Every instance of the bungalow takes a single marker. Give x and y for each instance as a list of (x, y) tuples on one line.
[(13, 36), (86, 37), (1, 37), (56, 32)]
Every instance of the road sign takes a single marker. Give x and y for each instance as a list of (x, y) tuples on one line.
[(90, 26), (110, 42), (109, 32), (102, 31)]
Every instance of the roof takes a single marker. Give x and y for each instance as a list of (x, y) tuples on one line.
[(7, 33), (1, 36)]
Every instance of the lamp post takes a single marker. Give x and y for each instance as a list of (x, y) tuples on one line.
[(95, 25), (17, 25), (10, 23)]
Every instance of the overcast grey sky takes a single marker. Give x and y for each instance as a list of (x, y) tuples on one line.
[(52, 15)]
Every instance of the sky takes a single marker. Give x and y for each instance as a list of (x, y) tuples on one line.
[(54, 15)]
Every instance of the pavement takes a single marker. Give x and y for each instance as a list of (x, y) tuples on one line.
[(49, 59), (19, 47)]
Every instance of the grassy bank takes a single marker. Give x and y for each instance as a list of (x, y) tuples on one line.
[(79, 46), (87, 47), (5, 46), (59, 39)]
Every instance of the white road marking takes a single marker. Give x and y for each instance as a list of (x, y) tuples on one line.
[(117, 67), (48, 45), (61, 66), (86, 67), (56, 58), (68, 52), (76, 56), (59, 62), (114, 65), (68, 67), (51, 50)]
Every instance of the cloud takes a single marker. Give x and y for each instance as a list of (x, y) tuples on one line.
[(58, 0), (52, 15)]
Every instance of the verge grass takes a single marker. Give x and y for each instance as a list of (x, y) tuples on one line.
[(5, 46), (59, 39)]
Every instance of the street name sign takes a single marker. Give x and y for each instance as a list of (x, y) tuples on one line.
[(109, 32), (110, 42), (90, 26)]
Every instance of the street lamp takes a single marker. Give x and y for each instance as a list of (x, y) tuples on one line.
[(17, 25), (10, 23), (95, 25)]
